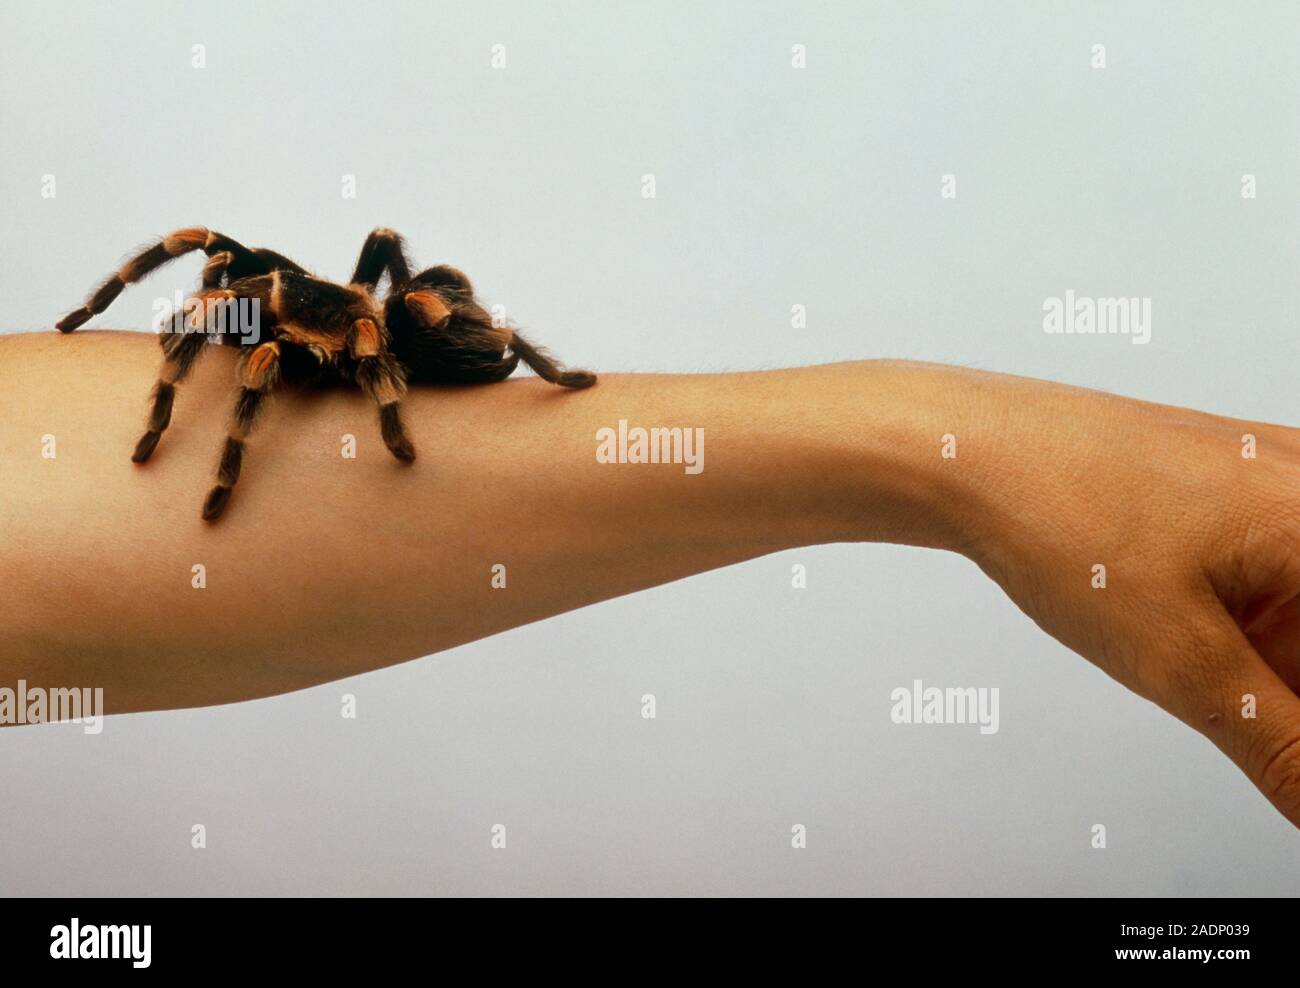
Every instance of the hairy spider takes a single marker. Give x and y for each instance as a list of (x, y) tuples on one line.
[(306, 330)]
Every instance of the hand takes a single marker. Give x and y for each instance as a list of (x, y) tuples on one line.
[(1200, 544)]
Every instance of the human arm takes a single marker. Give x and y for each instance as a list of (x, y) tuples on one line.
[(325, 567)]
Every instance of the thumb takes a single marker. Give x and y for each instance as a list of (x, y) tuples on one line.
[(1220, 685)]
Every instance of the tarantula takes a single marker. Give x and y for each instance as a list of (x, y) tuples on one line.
[(303, 329)]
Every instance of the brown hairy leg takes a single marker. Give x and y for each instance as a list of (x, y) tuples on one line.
[(258, 372), (182, 346), (382, 379), (171, 246), (382, 251)]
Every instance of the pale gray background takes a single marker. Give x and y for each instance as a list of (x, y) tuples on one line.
[(775, 186)]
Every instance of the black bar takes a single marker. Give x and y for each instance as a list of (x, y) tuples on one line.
[(931, 936)]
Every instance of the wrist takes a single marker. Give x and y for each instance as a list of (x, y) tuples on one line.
[(914, 445)]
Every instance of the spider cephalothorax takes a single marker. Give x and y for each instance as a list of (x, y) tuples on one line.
[(299, 328)]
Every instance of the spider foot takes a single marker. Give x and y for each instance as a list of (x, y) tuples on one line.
[(576, 379), (145, 446), (215, 502), (403, 450), (391, 428)]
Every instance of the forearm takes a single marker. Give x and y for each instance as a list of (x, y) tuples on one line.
[(326, 566)]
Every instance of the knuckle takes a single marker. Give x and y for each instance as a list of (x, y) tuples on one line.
[(1280, 776)]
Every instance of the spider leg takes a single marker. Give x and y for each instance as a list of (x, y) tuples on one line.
[(214, 272), (546, 367), (182, 347), (382, 251), (171, 246), (259, 372), (223, 252), (381, 377)]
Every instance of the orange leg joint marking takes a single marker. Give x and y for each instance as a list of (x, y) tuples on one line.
[(365, 338), (191, 238), (261, 366), (428, 307), (199, 306)]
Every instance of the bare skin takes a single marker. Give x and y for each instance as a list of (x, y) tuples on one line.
[(325, 567)]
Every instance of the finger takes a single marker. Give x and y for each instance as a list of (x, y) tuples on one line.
[(1278, 641), (1219, 684)]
